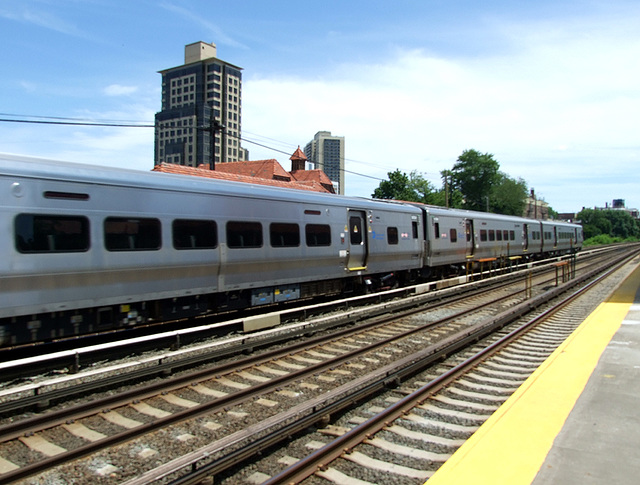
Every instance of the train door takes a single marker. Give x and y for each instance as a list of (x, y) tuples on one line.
[(525, 237), (471, 239), (357, 258)]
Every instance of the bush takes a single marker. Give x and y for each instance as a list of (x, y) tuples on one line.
[(604, 239)]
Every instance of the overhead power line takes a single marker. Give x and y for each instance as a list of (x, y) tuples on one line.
[(53, 120), (76, 123)]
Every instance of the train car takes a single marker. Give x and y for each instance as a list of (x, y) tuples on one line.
[(460, 239), (88, 248), (560, 237)]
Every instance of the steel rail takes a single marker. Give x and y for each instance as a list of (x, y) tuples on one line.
[(309, 416), (48, 420), (356, 436), (165, 365), (410, 366)]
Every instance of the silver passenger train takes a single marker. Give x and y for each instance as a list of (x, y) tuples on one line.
[(88, 248)]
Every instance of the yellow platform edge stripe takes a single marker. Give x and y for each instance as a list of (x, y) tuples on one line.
[(511, 446)]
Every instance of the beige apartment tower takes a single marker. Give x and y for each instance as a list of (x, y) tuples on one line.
[(201, 118)]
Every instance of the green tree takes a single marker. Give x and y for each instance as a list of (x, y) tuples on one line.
[(411, 188), (423, 189), (622, 224), (449, 196), (594, 223), (508, 195), (474, 174)]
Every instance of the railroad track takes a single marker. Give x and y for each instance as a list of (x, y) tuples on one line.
[(42, 391), (220, 406), (406, 435), (119, 343)]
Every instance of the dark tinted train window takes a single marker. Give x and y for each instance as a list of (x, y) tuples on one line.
[(124, 234), (436, 230), (505, 235), (453, 235), (284, 235), (194, 234), (51, 234), (355, 229), (318, 235), (392, 235), (512, 235), (244, 234), (498, 235), (414, 228), (483, 234)]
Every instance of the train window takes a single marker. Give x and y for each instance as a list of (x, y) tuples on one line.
[(125, 234), (453, 235), (483, 235), (284, 235), (436, 230), (512, 235), (505, 235), (194, 234), (498, 235), (318, 235), (355, 230), (392, 235), (492, 235), (51, 233), (244, 234), (414, 228)]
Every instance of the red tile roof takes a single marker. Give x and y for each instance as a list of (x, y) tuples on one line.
[(298, 155), (312, 175), (261, 172), (266, 169)]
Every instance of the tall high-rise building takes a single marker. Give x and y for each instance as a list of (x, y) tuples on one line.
[(326, 152), (201, 118)]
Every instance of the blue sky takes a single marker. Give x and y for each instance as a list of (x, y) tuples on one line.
[(550, 88)]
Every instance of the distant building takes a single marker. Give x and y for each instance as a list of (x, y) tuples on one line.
[(620, 205), (616, 205), (326, 152), (201, 118), (261, 172), (535, 208)]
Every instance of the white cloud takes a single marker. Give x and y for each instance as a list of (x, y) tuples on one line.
[(119, 90), (552, 109)]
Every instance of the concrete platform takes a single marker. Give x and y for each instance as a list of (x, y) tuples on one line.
[(576, 420)]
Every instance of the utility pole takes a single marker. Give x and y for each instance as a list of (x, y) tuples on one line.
[(214, 127)]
